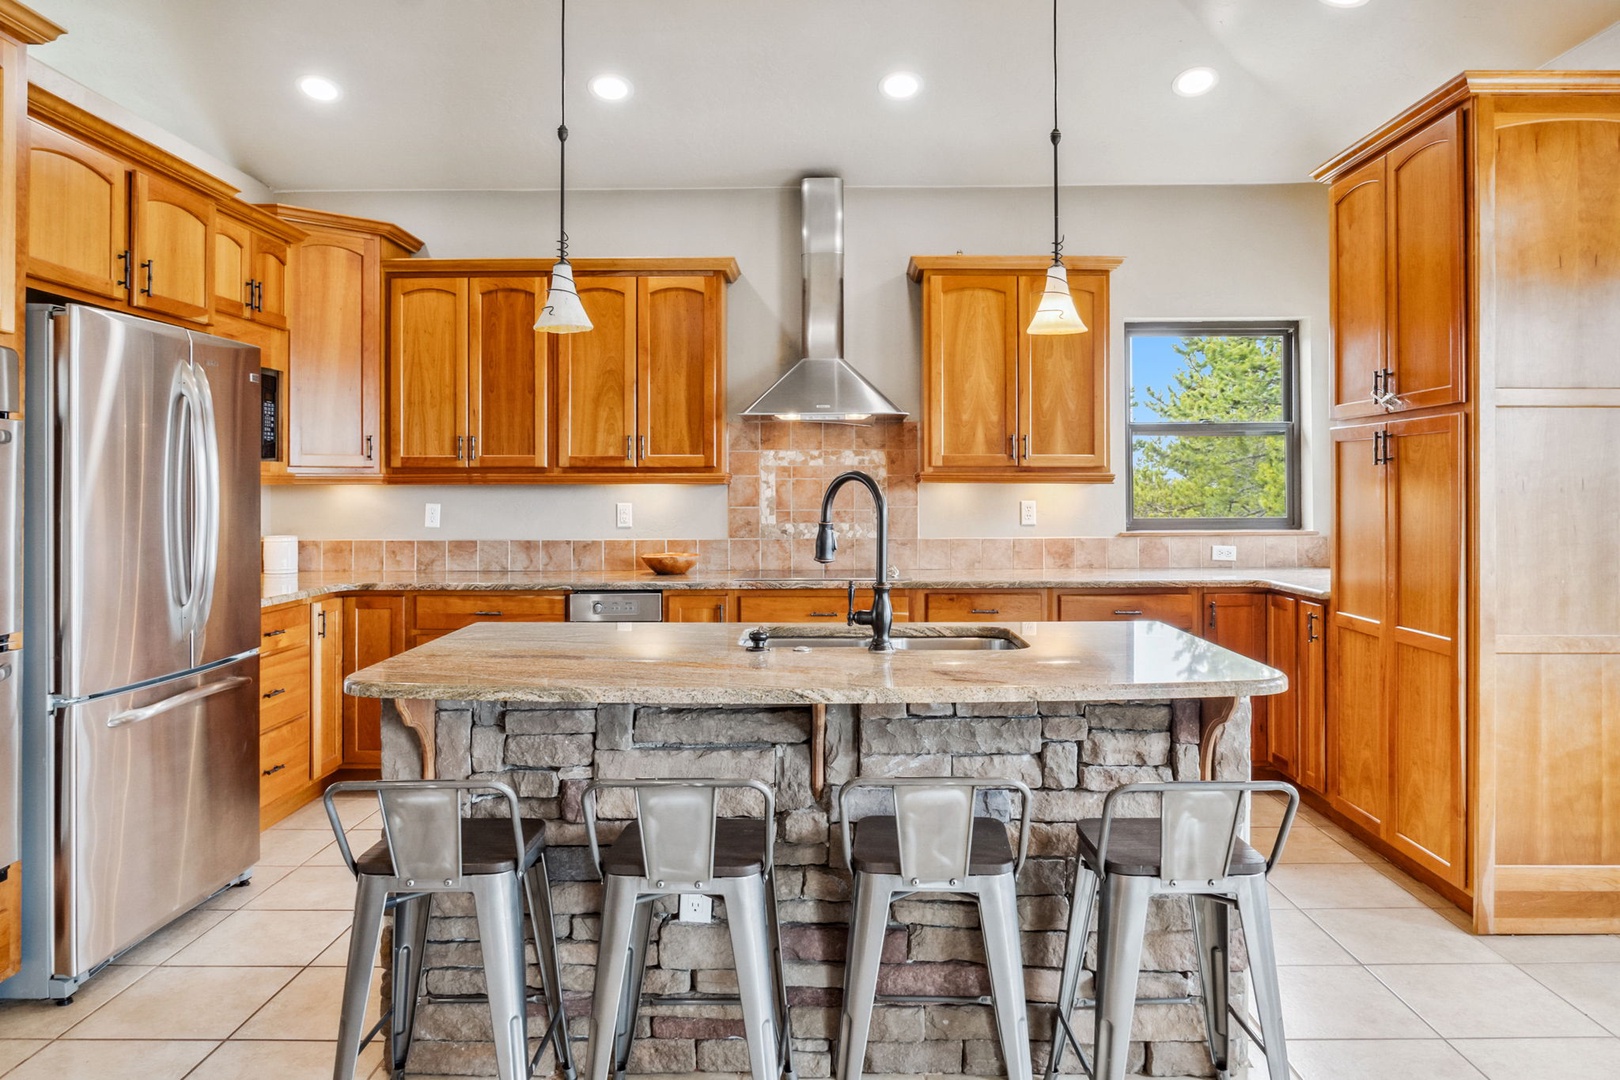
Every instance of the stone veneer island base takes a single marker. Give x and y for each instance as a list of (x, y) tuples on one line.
[(1086, 709)]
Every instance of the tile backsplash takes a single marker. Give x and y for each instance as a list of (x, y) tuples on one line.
[(779, 472)]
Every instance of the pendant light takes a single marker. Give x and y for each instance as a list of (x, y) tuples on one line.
[(1056, 313), (563, 313)]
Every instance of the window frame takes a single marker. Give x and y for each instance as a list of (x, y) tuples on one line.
[(1288, 426)]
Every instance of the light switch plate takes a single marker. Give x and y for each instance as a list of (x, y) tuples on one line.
[(1026, 511), (430, 519), (623, 516), (694, 908), (1223, 553)]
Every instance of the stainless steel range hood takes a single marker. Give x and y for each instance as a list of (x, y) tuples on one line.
[(823, 386)]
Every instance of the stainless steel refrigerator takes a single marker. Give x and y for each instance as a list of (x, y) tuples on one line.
[(140, 689)]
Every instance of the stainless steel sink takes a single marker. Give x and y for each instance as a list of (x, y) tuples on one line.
[(961, 643)]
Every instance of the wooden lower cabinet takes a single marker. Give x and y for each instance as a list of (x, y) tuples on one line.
[(11, 920), (1237, 621), (811, 605), (1310, 678), (326, 687), (373, 631), (1281, 751), (709, 607), (436, 614), (999, 605), (284, 712), (1178, 608)]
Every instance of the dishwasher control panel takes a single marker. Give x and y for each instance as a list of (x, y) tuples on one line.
[(641, 605)]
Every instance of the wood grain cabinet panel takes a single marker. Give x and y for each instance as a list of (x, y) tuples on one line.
[(1237, 621), (971, 372), (678, 389), (13, 164), (696, 607), (269, 264), (1179, 609), (11, 921), (1000, 605), (811, 605), (1359, 287), (373, 631), (508, 375), (233, 267), (326, 687), (336, 391), (1063, 381), (596, 380), (78, 214), (173, 231), (1282, 750), (427, 371)]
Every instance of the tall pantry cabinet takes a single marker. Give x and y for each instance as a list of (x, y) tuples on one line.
[(1475, 634)]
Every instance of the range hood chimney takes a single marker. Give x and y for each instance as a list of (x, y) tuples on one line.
[(823, 386)]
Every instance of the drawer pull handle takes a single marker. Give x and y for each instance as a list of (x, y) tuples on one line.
[(985, 611), (824, 614), (278, 768), (487, 614), (274, 633), (1126, 611), (277, 692)]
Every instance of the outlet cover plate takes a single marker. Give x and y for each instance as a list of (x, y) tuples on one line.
[(623, 515), (1026, 511), (1222, 553), (430, 518)]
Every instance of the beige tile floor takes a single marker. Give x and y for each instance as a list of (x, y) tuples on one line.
[(1380, 979)]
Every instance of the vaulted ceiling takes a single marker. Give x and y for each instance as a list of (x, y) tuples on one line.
[(462, 94)]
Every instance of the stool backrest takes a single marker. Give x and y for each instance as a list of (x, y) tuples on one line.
[(678, 820), (934, 819), (1198, 825), (422, 824)]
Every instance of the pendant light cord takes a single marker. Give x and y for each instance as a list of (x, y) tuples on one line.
[(562, 140), (1057, 136)]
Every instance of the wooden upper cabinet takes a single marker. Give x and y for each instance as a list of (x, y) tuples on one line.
[(1063, 381), (1427, 303), (970, 371), (270, 261), (596, 379), (78, 214), (680, 322), (233, 267), (1358, 282), (13, 106), (173, 240), (427, 368), (999, 402), (507, 371)]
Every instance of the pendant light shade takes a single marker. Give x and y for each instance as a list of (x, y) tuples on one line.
[(563, 313), (1056, 313)]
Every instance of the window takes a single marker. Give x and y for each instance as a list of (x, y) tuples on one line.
[(1212, 432)]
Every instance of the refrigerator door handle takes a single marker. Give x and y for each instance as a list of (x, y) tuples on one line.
[(208, 502), (179, 526), (197, 693)]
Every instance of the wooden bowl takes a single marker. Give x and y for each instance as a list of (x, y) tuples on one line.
[(671, 562)]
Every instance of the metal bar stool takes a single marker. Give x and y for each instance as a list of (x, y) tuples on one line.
[(934, 843), (427, 848), (1191, 849), (678, 843)]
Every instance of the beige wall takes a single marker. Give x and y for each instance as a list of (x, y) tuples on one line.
[(1190, 252)]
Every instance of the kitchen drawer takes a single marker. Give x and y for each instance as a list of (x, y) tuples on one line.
[(1179, 609), (810, 605), (453, 611), (283, 688), (996, 606), (283, 760), (284, 629)]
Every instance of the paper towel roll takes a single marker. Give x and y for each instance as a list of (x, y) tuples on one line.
[(281, 554)]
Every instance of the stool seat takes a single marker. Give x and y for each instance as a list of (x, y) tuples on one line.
[(1134, 848), (877, 847), (486, 848), (739, 849)]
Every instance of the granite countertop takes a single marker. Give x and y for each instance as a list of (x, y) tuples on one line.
[(705, 664), (1312, 584)]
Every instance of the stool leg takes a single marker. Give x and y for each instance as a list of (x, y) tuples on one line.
[(1255, 908), (864, 954), (1120, 952), (410, 940), (630, 1003), (748, 919), (498, 901), (370, 898), (784, 1022), (543, 918), (1212, 932), (612, 962), (1074, 957), (998, 918)]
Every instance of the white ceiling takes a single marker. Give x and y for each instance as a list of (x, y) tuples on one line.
[(461, 94)]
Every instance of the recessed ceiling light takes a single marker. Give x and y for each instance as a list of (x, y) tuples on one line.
[(320, 89), (1195, 81), (611, 87), (901, 85), (1344, 3)]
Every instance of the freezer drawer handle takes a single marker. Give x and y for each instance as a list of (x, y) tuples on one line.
[(146, 712)]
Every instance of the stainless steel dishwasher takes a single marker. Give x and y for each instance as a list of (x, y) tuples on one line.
[(630, 605)]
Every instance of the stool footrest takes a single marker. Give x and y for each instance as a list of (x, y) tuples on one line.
[(933, 999), (691, 999), (1185, 999)]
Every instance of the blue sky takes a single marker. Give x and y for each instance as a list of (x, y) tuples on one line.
[(1153, 362)]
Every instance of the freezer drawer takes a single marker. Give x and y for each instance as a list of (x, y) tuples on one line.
[(159, 807)]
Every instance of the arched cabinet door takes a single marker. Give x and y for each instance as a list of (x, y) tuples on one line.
[(173, 241), (78, 224)]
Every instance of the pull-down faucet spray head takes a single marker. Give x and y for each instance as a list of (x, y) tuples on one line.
[(826, 542)]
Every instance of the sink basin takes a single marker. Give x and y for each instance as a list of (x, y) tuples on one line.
[(954, 643)]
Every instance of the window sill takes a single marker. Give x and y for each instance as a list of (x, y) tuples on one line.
[(1219, 532)]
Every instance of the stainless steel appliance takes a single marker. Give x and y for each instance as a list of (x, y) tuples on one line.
[(10, 606), (140, 692), (630, 605)]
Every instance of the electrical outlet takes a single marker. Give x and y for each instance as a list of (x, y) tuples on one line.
[(1222, 553), (622, 517), (694, 908), (431, 518), (1026, 511)]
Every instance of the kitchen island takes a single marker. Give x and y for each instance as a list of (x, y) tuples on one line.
[(1074, 710)]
